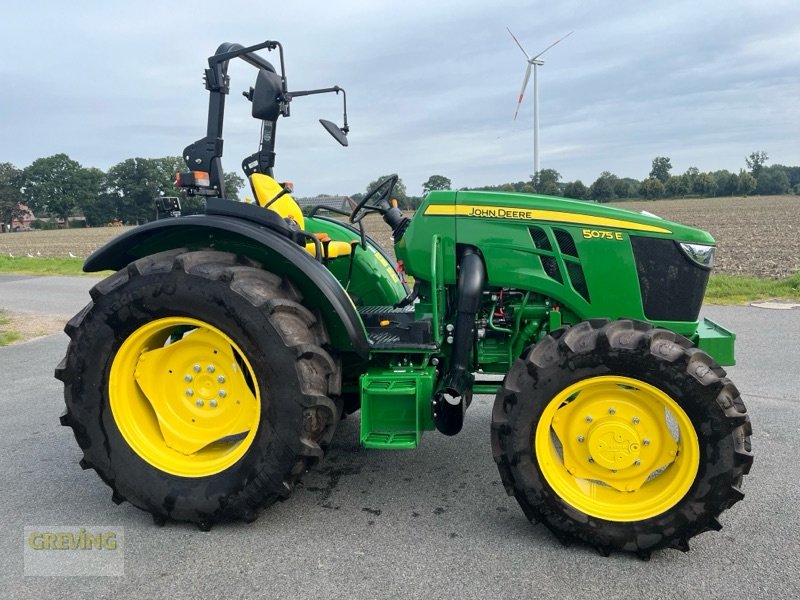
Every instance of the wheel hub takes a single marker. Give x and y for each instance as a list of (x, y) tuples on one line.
[(602, 438), (614, 444), (182, 397)]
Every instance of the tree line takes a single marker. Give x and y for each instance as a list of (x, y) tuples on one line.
[(758, 178), (60, 188)]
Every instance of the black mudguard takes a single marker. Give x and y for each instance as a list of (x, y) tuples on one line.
[(257, 238)]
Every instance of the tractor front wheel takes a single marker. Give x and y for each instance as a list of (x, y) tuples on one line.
[(622, 436), (197, 386)]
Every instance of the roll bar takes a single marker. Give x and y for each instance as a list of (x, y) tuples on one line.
[(206, 153)]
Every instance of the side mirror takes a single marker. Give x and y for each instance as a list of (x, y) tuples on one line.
[(339, 134), (266, 96)]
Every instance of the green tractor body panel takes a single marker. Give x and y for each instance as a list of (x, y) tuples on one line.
[(396, 406), (374, 280), (592, 261)]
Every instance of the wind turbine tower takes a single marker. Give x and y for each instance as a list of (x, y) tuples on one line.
[(533, 64)]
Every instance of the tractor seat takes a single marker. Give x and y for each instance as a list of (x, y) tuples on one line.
[(266, 189), (330, 248)]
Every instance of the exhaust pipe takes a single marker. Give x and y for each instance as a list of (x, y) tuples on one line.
[(451, 402)]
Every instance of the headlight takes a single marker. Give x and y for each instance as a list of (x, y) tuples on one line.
[(701, 254)]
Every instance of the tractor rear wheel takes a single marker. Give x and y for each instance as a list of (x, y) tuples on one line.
[(622, 436), (197, 386)]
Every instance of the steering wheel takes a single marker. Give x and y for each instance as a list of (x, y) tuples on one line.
[(378, 200)]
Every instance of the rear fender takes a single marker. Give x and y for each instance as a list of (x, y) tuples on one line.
[(276, 252)]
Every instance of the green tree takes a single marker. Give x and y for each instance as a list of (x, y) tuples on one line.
[(755, 162), (677, 186), (727, 182), (747, 183), (137, 182), (575, 189), (436, 182), (626, 187), (651, 188), (691, 176), (9, 194), (772, 180), (546, 182), (705, 184), (602, 189), (661, 168), (97, 205), (234, 184), (55, 185), (399, 193), (793, 173)]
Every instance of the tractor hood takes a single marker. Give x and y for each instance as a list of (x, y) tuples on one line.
[(532, 207)]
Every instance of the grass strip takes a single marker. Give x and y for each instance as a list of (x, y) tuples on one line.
[(42, 266), (6, 335), (739, 289)]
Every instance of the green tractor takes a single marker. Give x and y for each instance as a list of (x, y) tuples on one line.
[(209, 373)]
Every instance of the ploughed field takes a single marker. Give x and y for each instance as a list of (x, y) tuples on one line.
[(757, 236)]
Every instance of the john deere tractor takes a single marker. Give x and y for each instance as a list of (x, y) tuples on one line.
[(210, 371)]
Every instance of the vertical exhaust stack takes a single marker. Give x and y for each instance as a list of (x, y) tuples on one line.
[(456, 392)]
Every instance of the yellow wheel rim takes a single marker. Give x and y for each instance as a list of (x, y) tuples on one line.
[(617, 448), (184, 398)]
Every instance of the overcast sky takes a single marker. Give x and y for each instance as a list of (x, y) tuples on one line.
[(431, 85)]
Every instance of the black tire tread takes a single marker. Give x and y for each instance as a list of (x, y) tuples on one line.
[(300, 330), (561, 349)]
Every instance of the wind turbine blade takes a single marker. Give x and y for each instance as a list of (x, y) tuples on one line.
[(553, 44), (522, 91), (518, 44)]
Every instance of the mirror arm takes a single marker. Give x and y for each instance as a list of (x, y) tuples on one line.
[(287, 97)]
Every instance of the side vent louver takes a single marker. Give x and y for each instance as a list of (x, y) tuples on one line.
[(578, 280), (565, 242), (540, 239), (550, 267), (568, 251)]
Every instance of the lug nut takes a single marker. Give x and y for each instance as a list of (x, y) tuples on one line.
[(581, 438), (196, 368), (588, 419), (189, 392), (211, 368), (611, 411), (222, 393), (591, 460), (637, 462), (635, 420), (646, 442), (199, 402), (221, 379), (187, 378), (213, 404)]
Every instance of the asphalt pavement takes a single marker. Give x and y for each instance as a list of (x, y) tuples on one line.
[(430, 523)]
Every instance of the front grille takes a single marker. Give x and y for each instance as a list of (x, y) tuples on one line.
[(672, 286)]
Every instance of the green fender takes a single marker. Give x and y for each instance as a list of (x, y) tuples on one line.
[(257, 239)]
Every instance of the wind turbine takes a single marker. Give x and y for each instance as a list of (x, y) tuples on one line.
[(534, 63)]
